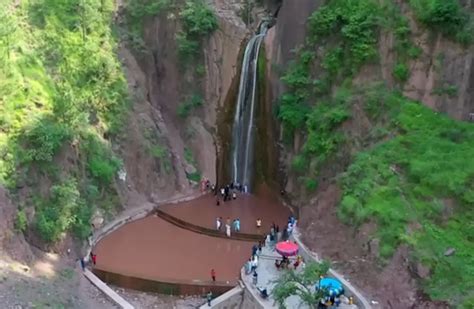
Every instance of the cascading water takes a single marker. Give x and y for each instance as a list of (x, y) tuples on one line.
[(243, 131)]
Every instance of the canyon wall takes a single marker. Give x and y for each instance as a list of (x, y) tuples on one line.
[(158, 82)]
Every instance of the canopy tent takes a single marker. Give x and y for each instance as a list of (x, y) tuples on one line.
[(286, 248), (331, 285)]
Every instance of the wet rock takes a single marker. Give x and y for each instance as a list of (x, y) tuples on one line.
[(449, 252)]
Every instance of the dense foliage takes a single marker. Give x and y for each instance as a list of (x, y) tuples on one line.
[(61, 90), (412, 173), (300, 283), (447, 17), (419, 188), (198, 21)]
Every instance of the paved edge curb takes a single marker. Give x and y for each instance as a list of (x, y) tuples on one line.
[(107, 290), (222, 298), (132, 215)]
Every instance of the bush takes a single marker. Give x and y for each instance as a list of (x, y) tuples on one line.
[(401, 72), (44, 139), (57, 214), (187, 48), (299, 163), (102, 164), (21, 223), (198, 19), (185, 108), (445, 16)]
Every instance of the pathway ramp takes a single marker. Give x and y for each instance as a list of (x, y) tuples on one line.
[(107, 291)]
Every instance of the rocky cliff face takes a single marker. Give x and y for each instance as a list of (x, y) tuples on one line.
[(158, 82), (440, 78)]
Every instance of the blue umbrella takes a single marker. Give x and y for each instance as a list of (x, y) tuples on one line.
[(333, 286)]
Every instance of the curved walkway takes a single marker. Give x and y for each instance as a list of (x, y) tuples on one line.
[(127, 216), (206, 231)]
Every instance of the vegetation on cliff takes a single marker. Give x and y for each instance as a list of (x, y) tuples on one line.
[(62, 91), (411, 173)]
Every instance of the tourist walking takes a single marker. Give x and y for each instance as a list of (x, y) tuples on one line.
[(248, 266), (227, 230), (209, 298), (237, 225), (259, 247), (234, 225), (254, 250), (218, 223), (213, 275), (255, 278)]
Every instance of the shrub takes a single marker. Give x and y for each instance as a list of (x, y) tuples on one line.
[(401, 72), (102, 164), (198, 19), (185, 108), (21, 223), (187, 48), (57, 214), (445, 16), (44, 139), (299, 163), (414, 52)]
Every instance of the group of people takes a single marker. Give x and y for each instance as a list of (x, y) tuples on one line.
[(228, 192), (235, 225), (93, 259), (285, 263)]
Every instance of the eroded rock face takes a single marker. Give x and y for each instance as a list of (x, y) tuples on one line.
[(11, 242), (156, 139), (443, 76)]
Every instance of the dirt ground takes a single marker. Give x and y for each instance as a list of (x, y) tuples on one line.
[(390, 286)]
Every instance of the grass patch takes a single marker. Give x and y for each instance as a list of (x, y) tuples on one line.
[(405, 181)]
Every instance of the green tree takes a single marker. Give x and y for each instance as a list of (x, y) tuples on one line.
[(300, 284)]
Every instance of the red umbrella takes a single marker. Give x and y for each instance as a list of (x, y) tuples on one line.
[(286, 248)]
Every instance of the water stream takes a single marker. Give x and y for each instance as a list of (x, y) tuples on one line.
[(243, 131)]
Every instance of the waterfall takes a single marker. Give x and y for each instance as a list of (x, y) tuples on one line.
[(243, 132)]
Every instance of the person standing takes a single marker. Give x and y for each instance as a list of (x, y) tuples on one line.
[(209, 298), (255, 278), (94, 258), (213, 275), (237, 226), (83, 264), (227, 230), (218, 223), (259, 223)]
